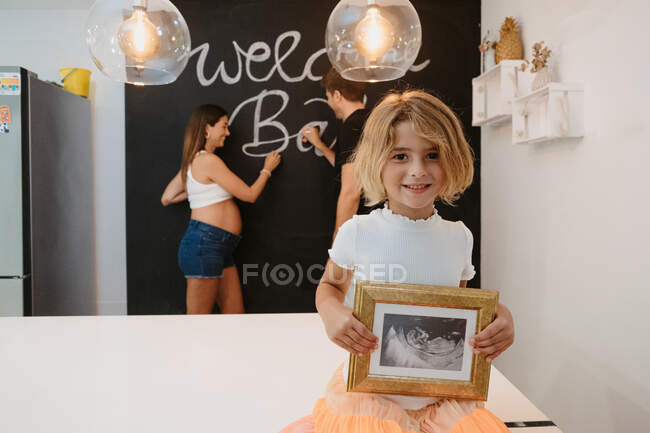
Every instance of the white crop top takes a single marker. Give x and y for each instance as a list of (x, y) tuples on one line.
[(202, 194)]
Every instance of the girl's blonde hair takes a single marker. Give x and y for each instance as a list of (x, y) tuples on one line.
[(194, 141), (432, 120)]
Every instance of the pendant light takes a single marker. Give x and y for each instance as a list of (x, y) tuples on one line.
[(373, 40), (141, 42)]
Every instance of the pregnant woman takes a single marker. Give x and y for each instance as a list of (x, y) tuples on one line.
[(205, 254)]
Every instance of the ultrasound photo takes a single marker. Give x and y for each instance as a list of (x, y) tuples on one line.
[(423, 342)]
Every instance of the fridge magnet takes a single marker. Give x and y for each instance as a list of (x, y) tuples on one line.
[(9, 83), (5, 114), (5, 119), (424, 333)]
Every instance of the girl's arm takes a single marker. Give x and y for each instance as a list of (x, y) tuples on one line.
[(340, 324), (219, 173), (174, 192), (497, 336)]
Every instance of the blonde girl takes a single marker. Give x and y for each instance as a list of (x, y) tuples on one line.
[(412, 152), (205, 254)]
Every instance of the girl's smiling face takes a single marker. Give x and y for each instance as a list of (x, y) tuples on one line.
[(413, 175)]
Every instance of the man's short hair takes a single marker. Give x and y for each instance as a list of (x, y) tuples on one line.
[(353, 91)]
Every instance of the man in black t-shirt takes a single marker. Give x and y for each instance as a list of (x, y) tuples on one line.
[(345, 98)]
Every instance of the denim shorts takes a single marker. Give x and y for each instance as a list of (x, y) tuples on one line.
[(206, 250)]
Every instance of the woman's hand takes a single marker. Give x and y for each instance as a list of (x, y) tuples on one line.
[(174, 192), (272, 160), (346, 331), (496, 337)]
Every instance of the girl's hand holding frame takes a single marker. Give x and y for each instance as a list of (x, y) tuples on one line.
[(347, 331), (341, 326), (496, 337)]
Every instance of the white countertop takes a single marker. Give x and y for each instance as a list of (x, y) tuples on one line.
[(175, 374)]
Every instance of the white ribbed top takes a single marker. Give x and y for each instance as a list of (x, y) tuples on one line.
[(204, 194), (384, 246)]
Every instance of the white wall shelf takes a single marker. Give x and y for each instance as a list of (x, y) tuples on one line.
[(554, 111), (492, 93)]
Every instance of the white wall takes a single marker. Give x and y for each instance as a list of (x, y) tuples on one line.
[(565, 233), (43, 41)]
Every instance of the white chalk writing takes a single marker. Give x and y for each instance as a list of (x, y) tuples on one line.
[(259, 52)]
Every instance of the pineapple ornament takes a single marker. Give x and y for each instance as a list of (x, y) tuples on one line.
[(509, 46)]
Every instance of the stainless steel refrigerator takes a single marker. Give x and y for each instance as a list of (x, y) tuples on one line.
[(47, 241)]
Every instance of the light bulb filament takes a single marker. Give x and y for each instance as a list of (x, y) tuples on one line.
[(139, 32), (373, 35), (138, 36)]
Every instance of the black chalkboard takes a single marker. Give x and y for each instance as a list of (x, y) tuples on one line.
[(287, 231)]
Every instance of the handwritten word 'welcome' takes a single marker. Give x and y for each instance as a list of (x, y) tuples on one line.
[(260, 52)]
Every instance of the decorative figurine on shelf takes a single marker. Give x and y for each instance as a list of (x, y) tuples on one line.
[(539, 66), (509, 46), (486, 48)]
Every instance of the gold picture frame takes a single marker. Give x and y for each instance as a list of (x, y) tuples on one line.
[(409, 363)]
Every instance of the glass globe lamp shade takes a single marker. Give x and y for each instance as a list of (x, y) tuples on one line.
[(142, 42), (373, 40)]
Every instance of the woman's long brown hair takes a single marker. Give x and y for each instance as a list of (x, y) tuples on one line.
[(194, 141)]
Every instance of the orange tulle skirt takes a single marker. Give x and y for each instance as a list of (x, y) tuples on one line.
[(352, 412)]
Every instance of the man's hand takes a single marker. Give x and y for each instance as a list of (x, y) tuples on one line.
[(311, 134)]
